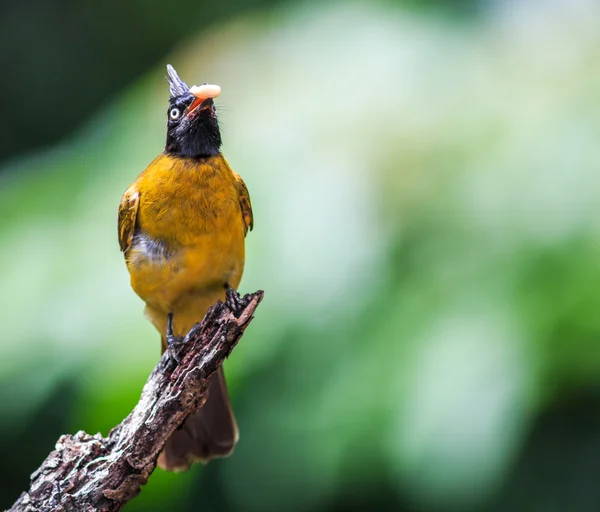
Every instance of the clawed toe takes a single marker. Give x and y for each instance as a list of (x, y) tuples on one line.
[(233, 298), (174, 342)]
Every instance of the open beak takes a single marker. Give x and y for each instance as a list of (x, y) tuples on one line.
[(202, 94)]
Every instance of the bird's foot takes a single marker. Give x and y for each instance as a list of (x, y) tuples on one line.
[(174, 343), (235, 301)]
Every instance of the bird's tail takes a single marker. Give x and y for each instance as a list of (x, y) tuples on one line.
[(209, 433)]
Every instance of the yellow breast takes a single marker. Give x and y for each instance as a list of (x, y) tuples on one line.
[(182, 199)]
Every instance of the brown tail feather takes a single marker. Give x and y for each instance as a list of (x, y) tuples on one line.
[(209, 433)]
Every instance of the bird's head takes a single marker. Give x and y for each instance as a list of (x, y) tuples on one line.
[(192, 126)]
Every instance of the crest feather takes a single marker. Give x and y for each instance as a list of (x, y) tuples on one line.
[(177, 86)]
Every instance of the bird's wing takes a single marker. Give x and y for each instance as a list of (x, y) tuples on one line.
[(127, 215), (245, 204)]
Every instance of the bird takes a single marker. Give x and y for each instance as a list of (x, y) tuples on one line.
[(182, 226)]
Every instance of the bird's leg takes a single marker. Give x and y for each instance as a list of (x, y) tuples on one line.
[(173, 342)]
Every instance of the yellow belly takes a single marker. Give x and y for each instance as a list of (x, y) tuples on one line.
[(189, 281)]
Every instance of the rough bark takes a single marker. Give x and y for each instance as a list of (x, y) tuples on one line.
[(88, 473)]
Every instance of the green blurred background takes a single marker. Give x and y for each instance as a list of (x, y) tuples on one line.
[(426, 186)]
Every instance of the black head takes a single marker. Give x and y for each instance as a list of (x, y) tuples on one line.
[(192, 126)]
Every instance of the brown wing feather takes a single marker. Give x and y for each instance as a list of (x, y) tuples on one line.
[(127, 216), (245, 204)]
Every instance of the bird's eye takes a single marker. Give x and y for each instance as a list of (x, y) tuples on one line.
[(174, 113)]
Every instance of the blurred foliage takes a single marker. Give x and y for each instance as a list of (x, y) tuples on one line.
[(425, 194), (65, 59)]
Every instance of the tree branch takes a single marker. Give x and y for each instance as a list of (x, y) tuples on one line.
[(91, 473)]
